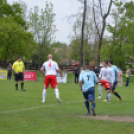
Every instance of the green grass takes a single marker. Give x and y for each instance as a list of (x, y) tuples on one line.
[(16, 117)]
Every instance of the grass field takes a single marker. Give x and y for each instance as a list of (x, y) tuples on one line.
[(23, 112)]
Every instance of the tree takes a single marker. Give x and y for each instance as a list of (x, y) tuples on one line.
[(59, 51), (14, 40), (14, 10), (120, 46), (82, 32), (101, 31), (43, 28)]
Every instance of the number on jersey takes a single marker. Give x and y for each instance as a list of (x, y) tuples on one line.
[(49, 65), (88, 76)]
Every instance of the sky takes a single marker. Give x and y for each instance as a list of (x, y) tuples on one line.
[(63, 9)]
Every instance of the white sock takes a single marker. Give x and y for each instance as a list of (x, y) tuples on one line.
[(100, 90), (108, 96), (44, 95), (57, 93)]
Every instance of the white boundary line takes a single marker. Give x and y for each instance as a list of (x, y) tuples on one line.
[(17, 110)]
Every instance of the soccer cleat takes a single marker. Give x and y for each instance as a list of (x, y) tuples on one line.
[(23, 90), (99, 97), (43, 101), (58, 99), (16, 89), (105, 100), (120, 99), (93, 110), (88, 113)]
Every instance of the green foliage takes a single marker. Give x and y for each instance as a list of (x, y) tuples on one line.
[(41, 24), (120, 46), (75, 50), (14, 40), (59, 51)]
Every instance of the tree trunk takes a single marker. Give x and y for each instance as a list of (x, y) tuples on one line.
[(82, 32)]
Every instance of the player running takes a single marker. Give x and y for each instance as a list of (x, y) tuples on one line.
[(51, 68), (106, 77), (116, 78), (88, 79)]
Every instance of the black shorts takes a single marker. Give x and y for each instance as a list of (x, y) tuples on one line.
[(19, 77)]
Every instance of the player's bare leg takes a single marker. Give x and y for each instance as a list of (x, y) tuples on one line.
[(44, 94), (57, 94)]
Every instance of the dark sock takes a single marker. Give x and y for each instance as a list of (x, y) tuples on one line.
[(116, 94), (16, 86), (22, 84), (93, 105), (87, 106)]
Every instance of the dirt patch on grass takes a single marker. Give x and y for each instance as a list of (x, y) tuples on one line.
[(110, 118)]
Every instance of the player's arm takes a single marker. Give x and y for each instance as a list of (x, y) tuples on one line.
[(60, 72), (42, 70), (112, 77), (95, 78), (119, 75), (80, 81), (23, 68), (13, 68), (100, 74)]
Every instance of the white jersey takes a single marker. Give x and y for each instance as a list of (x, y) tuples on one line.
[(107, 74), (50, 67)]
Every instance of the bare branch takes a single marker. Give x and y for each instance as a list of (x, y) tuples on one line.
[(81, 1), (101, 8), (109, 8), (95, 21)]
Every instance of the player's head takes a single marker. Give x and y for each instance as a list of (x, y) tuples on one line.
[(81, 68), (87, 66), (105, 63), (50, 57), (19, 58), (110, 62), (96, 67)]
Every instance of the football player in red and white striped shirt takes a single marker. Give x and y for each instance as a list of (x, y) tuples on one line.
[(51, 68)]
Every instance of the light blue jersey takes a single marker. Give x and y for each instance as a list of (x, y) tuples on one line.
[(115, 71), (88, 79)]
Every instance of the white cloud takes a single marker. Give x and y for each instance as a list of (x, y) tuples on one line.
[(62, 9)]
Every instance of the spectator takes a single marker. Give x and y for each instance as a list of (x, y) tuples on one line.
[(121, 79), (76, 73), (96, 70), (128, 74), (9, 68), (0, 68)]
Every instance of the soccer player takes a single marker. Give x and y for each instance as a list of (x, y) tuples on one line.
[(19, 70), (88, 79), (51, 68), (116, 78), (106, 77)]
